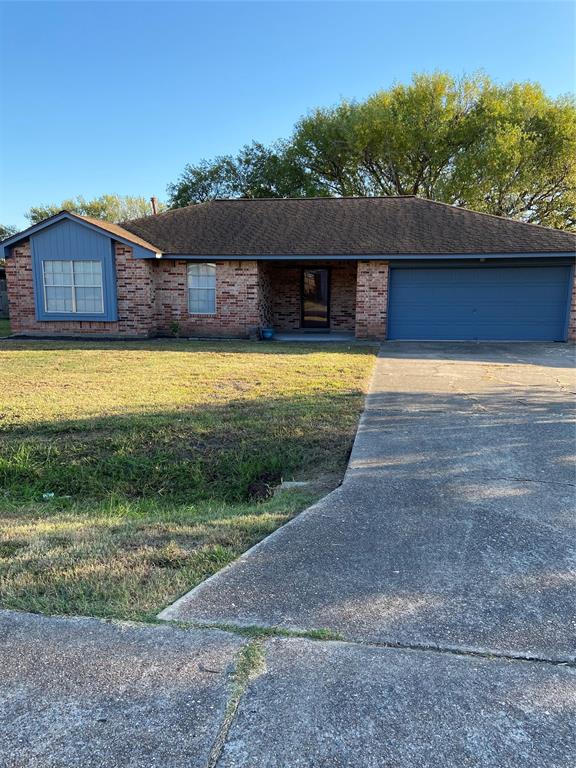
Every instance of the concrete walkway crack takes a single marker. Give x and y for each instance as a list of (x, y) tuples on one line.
[(250, 663), (265, 633), (475, 653)]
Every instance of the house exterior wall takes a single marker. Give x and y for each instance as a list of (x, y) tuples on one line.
[(285, 287), (372, 299), (3, 294), (239, 302), (152, 298), (134, 289)]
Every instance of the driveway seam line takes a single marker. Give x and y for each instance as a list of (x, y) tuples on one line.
[(282, 633), (485, 654)]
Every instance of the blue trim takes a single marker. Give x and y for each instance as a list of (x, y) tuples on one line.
[(556, 261), (72, 243), (139, 250), (374, 257)]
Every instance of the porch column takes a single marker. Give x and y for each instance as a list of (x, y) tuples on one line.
[(372, 299)]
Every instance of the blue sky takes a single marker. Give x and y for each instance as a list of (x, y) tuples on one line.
[(118, 97)]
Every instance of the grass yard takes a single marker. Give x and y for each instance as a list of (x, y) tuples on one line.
[(129, 472)]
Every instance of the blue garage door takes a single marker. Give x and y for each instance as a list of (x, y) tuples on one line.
[(480, 303)]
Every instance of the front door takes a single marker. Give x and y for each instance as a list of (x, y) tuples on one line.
[(315, 298)]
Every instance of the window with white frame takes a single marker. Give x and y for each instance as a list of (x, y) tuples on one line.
[(202, 289), (73, 286)]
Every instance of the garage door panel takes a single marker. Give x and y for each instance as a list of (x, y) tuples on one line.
[(480, 303)]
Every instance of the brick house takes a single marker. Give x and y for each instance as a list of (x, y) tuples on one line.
[(382, 268)]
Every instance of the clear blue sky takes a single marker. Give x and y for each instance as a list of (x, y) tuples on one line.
[(118, 97)]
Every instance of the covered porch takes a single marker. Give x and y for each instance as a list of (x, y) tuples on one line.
[(309, 297), (336, 298)]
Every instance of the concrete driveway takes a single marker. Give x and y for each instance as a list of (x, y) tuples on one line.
[(446, 560), (455, 526)]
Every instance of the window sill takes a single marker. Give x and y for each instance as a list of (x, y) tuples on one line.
[(59, 317)]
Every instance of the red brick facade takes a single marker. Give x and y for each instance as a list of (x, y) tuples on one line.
[(372, 299), (284, 281), (135, 296), (152, 298), (239, 301)]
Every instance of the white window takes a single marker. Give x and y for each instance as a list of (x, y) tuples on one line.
[(73, 286), (202, 289)]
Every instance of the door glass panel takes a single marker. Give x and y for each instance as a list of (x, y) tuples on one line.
[(315, 291)]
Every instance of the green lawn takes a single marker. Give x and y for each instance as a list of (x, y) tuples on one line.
[(131, 471), (4, 327)]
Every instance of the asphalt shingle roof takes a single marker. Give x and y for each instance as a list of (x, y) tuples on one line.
[(352, 226)]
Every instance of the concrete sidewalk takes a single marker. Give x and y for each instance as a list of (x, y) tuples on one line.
[(84, 693)]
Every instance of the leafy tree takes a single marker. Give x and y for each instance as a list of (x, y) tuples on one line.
[(507, 150), (6, 231), (523, 163), (113, 208), (256, 171)]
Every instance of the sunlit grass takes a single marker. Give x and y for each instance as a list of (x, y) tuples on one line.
[(125, 559), (131, 471)]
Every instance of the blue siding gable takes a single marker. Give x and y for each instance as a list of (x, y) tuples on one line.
[(70, 241)]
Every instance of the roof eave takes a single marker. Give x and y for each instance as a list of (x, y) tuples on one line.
[(147, 252), (369, 257)]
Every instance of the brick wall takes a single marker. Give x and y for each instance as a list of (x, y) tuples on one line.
[(372, 299), (152, 298), (238, 300), (152, 294), (135, 292), (286, 287)]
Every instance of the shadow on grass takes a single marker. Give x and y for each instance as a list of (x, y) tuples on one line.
[(221, 346), (202, 452)]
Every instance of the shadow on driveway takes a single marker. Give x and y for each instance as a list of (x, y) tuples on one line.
[(454, 526)]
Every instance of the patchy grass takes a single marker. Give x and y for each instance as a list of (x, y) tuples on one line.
[(259, 632), (4, 327), (129, 472)]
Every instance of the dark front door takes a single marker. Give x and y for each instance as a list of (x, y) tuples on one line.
[(315, 298)]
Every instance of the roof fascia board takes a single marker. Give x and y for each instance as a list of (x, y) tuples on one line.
[(26, 233), (378, 257)]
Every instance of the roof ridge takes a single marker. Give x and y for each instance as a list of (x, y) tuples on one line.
[(151, 216), (331, 198), (493, 215)]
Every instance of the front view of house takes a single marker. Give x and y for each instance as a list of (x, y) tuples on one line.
[(379, 268)]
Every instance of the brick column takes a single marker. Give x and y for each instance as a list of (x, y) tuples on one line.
[(372, 299), (20, 285)]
